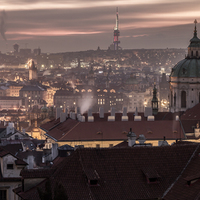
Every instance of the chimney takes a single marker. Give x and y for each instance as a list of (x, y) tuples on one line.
[(66, 111), (163, 142), (23, 131), (131, 138), (137, 118), (79, 117), (90, 118), (125, 111), (58, 111), (150, 118), (73, 115), (101, 112), (78, 111), (177, 118), (90, 112), (54, 150), (82, 118), (148, 111), (141, 139), (136, 112), (112, 111), (62, 117), (10, 128)]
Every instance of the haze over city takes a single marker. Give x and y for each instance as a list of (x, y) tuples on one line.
[(61, 26)]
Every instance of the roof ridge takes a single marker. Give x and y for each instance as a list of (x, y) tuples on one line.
[(70, 130), (170, 187)]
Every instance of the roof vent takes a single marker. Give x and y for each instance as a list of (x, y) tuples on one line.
[(150, 118), (90, 118)]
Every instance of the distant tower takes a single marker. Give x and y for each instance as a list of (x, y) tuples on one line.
[(154, 101), (90, 77), (116, 32), (32, 71), (16, 48)]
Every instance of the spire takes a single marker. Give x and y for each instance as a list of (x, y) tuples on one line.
[(117, 21), (195, 28), (154, 101)]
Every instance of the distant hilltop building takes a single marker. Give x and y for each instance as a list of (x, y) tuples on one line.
[(185, 78), (32, 71)]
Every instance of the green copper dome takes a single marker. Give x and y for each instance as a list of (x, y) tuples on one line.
[(186, 68), (190, 66)]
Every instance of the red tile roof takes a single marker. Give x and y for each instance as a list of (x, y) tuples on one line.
[(73, 130), (120, 173)]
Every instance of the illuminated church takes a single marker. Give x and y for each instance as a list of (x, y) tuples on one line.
[(185, 78)]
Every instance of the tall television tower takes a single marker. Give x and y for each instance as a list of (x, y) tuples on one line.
[(116, 32)]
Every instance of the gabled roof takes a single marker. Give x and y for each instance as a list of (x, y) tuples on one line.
[(100, 129), (121, 172)]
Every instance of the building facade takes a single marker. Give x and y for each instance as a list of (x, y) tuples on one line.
[(185, 78)]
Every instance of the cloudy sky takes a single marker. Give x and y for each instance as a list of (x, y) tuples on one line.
[(75, 25)]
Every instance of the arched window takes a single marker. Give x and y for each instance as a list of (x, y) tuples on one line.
[(192, 53), (175, 100), (197, 53), (171, 98), (183, 99)]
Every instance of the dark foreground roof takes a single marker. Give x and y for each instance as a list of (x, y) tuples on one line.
[(125, 173)]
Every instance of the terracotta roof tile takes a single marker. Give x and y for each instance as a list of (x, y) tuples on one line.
[(120, 172), (72, 130)]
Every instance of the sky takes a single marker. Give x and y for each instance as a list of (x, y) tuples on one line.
[(77, 25)]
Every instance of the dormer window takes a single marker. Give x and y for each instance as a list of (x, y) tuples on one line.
[(192, 179), (152, 175), (92, 177), (184, 71)]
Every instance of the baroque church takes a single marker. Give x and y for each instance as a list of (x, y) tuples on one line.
[(184, 80)]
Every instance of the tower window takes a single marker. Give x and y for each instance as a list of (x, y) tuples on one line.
[(183, 99)]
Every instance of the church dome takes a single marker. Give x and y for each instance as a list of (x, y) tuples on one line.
[(44, 109), (190, 66), (187, 68)]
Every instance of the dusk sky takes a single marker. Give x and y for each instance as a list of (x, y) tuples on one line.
[(76, 25)]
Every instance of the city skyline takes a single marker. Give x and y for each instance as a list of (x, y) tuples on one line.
[(64, 26)]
